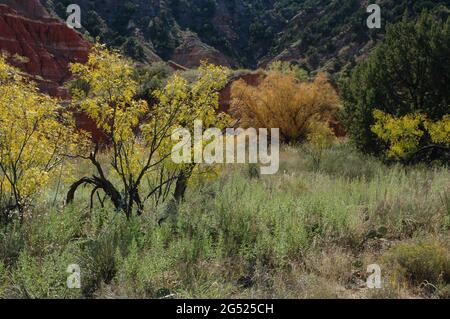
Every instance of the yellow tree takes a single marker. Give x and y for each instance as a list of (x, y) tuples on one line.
[(35, 135), (282, 101), (139, 137), (319, 139)]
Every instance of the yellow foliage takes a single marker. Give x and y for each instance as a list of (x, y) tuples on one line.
[(321, 136), (281, 101), (34, 136), (139, 135), (181, 103), (439, 131), (405, 133), (110, 101)]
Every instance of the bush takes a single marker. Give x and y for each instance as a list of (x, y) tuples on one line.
[(53, 231), (407, 74), (281, 101), (151, 78), (293, 234), (134, 49), (289, 68), (422, 262), (405, 134), (11, 243), (44, 277), (146, 274)]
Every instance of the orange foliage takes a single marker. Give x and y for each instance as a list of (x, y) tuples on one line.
[(281, 101)]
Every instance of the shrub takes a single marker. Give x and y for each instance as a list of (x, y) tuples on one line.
[(44, 277), (405, 134), (151, 78), (11, 243), (3, 279), (289, 68), (421, 262), (320, 139), (149, 273), (53, 231), (134, 49), (281, 101), (99, 263)]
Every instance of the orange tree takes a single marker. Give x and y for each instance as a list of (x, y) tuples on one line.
[(282, 101)]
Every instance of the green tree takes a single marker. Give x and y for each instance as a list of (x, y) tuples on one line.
[(408, 73)]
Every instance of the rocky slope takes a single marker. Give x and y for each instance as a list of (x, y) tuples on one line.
[(317, 34), (47, 44), (144, 29), (42, 46), (192, 51)]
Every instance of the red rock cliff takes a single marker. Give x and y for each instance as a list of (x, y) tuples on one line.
[(47, 43)]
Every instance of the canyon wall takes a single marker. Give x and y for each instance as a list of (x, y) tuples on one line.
[(46, 43)]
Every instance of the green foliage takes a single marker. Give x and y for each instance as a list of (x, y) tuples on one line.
[(289, 68), (407, 74), (146, 273), (3, 279), (151, 78), (160, 30), (37, 277), (52, 232), (133, 49), (11, 243)]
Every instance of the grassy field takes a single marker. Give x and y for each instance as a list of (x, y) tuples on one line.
[(308, 232)]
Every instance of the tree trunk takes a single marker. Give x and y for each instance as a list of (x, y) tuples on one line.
[(180, 187)]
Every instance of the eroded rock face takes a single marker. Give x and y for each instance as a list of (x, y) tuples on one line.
[(192, 51), (27, 30), (47, 46)]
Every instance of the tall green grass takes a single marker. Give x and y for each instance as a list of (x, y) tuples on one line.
[(305, 232)]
